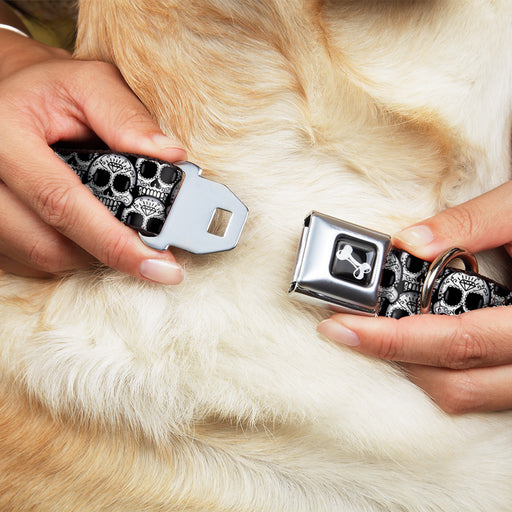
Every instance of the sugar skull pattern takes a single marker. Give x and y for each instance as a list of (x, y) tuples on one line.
[(458, 292), (401, 283), (454, 292), (139, 191)]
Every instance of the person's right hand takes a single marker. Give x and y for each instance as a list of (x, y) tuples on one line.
[(50, 222), (463, 362)]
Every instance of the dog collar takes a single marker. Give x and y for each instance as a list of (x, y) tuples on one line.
[(351, 269), (169, 204)]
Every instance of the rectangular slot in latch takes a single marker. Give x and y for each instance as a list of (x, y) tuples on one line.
[(219, 222)]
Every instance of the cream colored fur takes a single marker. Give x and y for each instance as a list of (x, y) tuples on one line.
[(218, 394)]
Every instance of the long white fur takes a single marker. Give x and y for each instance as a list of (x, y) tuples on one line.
[(404, 111)]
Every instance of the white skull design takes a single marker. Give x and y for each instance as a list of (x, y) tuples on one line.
[(156, 179), (146, 214), (79, 161), (111, 177), (406, 305), (459, 292)]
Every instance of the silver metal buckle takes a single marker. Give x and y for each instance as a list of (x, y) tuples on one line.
[(189, 219), (339, 265)]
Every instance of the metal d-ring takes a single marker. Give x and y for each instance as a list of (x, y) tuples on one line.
[(437, 266)]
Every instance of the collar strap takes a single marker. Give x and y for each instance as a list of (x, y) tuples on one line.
[(169, 204), (356, 270)]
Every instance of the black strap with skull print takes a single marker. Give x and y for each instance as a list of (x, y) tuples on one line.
[(170, 205), (352, 269), (138, 190), (454, 292)]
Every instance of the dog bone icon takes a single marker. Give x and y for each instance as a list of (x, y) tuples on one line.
[(360, 269)]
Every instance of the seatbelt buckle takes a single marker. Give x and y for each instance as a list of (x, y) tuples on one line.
[(339, 265), (193, 212)]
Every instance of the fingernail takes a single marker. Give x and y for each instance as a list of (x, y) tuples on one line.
[(416, 236), (161, 271), (338, 333), (165, 143)]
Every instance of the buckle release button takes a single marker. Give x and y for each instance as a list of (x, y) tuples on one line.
[(353, 260)]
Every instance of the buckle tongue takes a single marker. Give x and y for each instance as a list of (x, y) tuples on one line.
[(339, 265), (188, 222)]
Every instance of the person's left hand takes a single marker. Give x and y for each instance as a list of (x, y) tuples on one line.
[(463, 362)]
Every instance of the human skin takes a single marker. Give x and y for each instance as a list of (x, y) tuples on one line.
[(463, 362), (51, 223)]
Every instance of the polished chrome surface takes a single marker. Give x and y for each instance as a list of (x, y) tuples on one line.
[(188, 222), (313, 281)]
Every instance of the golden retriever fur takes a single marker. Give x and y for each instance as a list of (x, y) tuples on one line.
[(217, 394)]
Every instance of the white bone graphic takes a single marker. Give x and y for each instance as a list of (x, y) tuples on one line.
[(345, 253)]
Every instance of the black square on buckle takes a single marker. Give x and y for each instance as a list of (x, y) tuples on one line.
[(353, 260)]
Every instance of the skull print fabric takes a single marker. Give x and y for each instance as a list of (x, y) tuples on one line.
[(455, 291), (139, 191), (111, 179), (401, 284), (459, 293)]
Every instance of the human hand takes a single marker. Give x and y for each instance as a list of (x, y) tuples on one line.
[(463, 362), (50, 222)]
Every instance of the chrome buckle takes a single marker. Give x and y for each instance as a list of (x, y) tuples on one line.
[(339, 265), (188, 222)]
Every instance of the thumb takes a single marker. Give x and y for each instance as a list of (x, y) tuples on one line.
[(476, 225)]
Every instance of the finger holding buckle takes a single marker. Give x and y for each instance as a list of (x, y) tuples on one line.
[(475, 340), (69, 210), (56, 100), (479, 224)]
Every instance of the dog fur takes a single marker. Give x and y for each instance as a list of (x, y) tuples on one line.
[(217, 394)]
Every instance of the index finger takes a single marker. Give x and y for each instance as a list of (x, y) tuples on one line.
[(51, 189), (478, 224), (474, 339)]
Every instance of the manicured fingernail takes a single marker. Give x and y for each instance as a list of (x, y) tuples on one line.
[(416, 236), (165, 143), (338, 333), (161, 271)]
